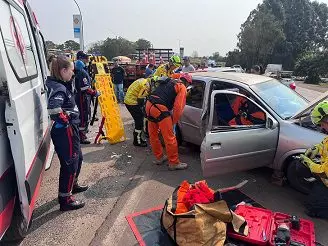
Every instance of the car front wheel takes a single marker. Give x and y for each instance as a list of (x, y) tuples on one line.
[(298, 177)]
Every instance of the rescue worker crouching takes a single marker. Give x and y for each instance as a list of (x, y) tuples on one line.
[(246, 113), (64, 133), (317, 201), (84, 95), (134, 102), (167, 69), (169, 95)]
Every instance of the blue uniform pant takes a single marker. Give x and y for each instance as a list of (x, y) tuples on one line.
[(83, 102), (67, 146)]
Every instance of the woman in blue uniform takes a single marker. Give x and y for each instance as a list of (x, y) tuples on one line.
[(64, 133)]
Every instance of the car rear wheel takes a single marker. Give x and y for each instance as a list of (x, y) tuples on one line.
[(297, 177), (19, 227)]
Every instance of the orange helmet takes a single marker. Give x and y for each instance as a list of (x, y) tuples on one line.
[(185, 77)]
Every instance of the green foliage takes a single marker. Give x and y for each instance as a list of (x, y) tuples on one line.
[(71, 45), (67, 45), (217, 57), (143, 44), (280, 31), (312, 65), (50, 45), (112, 47)]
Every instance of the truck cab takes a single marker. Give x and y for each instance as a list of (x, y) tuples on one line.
[(24, 122)]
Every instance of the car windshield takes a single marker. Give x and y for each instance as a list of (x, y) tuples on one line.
[(281, 99)]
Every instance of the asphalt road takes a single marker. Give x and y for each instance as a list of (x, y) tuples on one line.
[(123, 180)]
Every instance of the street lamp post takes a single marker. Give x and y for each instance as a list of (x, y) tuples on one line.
[(82, 29)]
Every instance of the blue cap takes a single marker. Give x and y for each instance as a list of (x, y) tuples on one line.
[(81, 55)]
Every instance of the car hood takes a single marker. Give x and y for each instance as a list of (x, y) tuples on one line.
[(310, 105)]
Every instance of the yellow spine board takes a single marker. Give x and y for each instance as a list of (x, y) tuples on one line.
[(114, 128)]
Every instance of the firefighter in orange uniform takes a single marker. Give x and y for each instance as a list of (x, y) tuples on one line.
[(169, 96)]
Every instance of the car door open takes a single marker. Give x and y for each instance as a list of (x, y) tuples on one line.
[(240, 135)]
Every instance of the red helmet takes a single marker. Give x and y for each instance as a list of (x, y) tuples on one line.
[(185, 77)]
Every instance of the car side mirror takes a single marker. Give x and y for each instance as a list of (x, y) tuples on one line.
[(271, 124)]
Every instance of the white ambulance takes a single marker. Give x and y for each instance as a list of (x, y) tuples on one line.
[(24, 122)]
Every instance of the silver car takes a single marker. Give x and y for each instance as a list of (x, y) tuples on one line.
[(285, 132)]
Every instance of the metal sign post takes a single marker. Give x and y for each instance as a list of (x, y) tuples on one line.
[(78, 29)]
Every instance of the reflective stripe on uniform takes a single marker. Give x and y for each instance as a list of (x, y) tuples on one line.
[(55, 110), (85, 88), (61, 194)]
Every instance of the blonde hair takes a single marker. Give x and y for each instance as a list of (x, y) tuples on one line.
[(56, 64)]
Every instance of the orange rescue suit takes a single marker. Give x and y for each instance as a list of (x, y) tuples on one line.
[(246, 113), (168, 96)]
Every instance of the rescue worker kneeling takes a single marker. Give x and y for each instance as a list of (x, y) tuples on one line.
[(168, 95), (134, 101), (317, 202), (64, 133)]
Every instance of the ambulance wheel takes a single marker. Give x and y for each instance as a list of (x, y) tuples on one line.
[(19, 227), (296, 177)]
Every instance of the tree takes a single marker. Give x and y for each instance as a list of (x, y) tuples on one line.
[(71, 45), (143, 44), (259, 35), (280, 31), (50, 45), (216, 57), (234, 58), (312, 65), (114, 47), (194, 54)]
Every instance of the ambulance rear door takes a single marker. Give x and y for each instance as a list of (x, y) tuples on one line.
[(26, 113)]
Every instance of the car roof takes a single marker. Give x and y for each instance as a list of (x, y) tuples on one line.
[(245, 78)]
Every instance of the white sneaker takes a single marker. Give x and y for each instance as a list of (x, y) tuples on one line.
[(180, 166), (160, 161)]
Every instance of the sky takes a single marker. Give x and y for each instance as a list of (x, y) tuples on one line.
[(205, 26)]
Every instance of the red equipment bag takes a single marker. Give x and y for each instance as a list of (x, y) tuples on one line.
[(263, 224)]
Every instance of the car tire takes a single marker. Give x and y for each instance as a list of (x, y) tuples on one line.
[(296, 179), (18, 228)]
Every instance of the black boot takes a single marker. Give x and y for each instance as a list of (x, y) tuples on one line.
[(79, 188), (69, 203), (137, 139)]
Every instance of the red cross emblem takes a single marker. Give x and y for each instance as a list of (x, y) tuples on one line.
[(18, 38)]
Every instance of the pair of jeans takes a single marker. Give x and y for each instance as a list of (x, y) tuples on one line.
[(119, 93)]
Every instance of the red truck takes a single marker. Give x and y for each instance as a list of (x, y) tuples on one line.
[(143, 57)]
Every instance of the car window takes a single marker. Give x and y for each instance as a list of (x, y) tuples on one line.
[(218, 85), (235, 111), (281, 99), (18, 44), (195, 94)]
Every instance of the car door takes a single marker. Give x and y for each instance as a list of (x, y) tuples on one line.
[(229, 145), (190, 120), (26, 114)]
